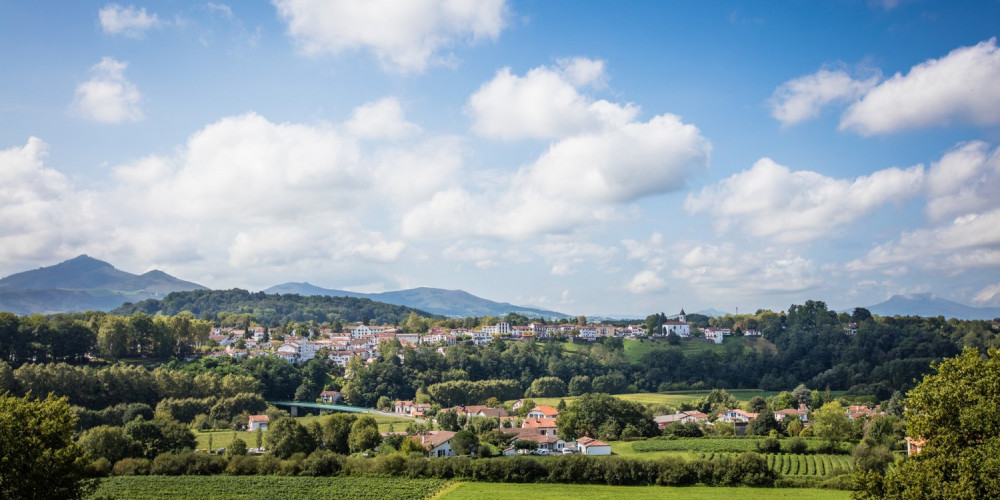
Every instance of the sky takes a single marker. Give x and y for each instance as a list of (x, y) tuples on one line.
[(597, 158)]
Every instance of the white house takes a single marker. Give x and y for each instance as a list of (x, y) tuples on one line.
[(591, 446), (438, 443), (501, 328), (716, 334), (542, 412), (257, 422), (737, 416)]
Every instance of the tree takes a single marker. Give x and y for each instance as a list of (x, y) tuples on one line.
[(110, 443), (336, 430), (237, 447), (579, 384), (955, 412), (40, 459), (285, 436), (448, 420), (464, 442), (604, 416), (364, 435), (831, 423), (546, 387)]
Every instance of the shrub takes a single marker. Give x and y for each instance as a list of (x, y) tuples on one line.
[(132, 467), (796, 445), (321, 463), (769, 445), (243, 465)]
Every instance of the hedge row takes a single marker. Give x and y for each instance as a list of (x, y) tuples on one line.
[(748, 469)]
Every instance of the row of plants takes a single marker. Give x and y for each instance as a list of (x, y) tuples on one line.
[(747, 469), (794, 445), (254, 487)]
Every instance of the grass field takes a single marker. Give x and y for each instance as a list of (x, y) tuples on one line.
[(221, 439), (264, 487), (490, 491)]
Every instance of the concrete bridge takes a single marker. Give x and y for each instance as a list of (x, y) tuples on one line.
[(295, 405)]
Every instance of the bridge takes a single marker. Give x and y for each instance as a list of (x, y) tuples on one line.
[(295, 405)]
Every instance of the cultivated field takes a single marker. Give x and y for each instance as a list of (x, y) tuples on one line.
[(491, 491), (261, 487)]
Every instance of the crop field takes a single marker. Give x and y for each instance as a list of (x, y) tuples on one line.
[(491, 491), (257, 487), (715, 444), (809, 465)]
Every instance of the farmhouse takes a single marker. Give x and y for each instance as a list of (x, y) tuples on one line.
[(256, 422), (591, 446)]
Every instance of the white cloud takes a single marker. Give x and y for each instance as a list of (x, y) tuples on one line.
[(987, 294), (405, 35), (732, 270), (545, 103), (802, 98), (965, 180), (565, 255), (42, 217), (108, 97), (958, 88), (967, 242), (647, 281), (580, 180), (382, 119), (789, 206), (127, 21)]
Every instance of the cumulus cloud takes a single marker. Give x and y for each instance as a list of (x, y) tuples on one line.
[(600, 164), (405, 36), (545, 103), (967, 242), (108, 97), (42, 216), (293, 198), (382, 119), (647, 281), (802, 98), (958, 88), (126, 21), (791, 206), (730, 270), (965, 180)]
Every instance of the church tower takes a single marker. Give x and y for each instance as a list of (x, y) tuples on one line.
[(682, 317)]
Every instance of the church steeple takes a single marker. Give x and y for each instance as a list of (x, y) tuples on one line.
[(682, 317)]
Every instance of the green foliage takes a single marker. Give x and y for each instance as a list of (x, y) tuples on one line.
[(160, 435), (38, 458), (831, 423), (464, 442), (955, 411), (546, 387), (274, 309), (459, 392), (364, 435), (604, 416), (247, 488), (285, 436), (109, 442)]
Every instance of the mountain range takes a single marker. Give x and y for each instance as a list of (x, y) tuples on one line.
[(925, 304), (83, 283), (456, 303)]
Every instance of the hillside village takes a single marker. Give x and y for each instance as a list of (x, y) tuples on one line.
[(362, 340)]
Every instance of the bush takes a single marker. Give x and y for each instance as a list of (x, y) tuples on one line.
[(769, 445), (796, 445), (243, 465), (132, 467), (321, 463)]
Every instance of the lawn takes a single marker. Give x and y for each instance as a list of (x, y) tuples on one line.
[(221, 439), (258, 487), (506, 491)]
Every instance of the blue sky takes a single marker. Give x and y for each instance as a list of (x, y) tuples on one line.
[(588, 157)]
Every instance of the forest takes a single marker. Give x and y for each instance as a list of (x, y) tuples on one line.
[(807, 345), (273, 309)]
